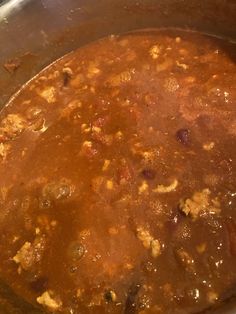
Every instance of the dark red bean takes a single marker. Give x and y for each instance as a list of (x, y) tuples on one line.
[(66, 78), (183, 136), (132, 298), (148, 174)]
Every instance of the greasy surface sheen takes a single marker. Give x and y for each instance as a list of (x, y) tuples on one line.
[(117, 177)]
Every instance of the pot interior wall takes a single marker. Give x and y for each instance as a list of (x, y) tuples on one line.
[(40, 31)]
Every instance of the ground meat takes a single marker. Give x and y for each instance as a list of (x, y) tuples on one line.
[(149, 242), (200, 204), (12, 126), (49, 94), (30, 253), (155, 51)]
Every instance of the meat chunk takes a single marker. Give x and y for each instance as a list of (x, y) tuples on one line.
[(155, 51), (30, 253), (24, 256), (200, 204), (49, 94), (12, 125), (143, 188), (47, 300), (149, 242)]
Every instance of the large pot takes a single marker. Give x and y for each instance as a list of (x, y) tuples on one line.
[(36, 32)]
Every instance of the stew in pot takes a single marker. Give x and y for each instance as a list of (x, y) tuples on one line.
[(117, 177)]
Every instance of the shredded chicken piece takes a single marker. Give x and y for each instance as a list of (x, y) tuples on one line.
[(166, 189), (200, 203), (46, 300)]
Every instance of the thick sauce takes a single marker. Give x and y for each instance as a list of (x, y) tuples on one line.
[(117, 177)]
